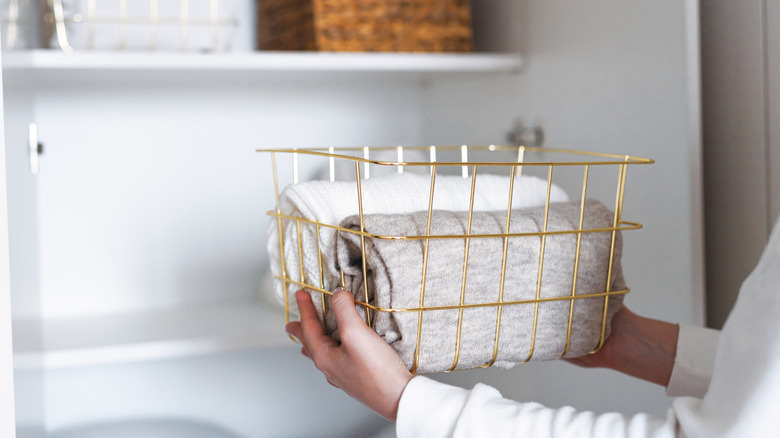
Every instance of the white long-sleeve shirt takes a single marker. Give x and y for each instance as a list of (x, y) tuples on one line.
[(729, 385)]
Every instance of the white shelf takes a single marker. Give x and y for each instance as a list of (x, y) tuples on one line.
[(52, 60), (154, 335)]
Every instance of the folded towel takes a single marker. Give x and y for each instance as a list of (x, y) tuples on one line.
[(331, 202), (395, 274)]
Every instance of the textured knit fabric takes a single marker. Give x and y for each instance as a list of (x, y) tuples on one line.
[(330, 202), (395, 274), (743, 398)]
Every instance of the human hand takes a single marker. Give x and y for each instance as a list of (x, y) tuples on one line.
[(640, 347), (609, 354), (363, 365)]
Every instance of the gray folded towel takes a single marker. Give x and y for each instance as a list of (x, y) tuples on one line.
[(395, 274)]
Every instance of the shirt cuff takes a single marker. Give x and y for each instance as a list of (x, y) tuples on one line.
[(693, 362), (429, 409)]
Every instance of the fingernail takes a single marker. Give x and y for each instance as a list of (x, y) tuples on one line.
[(339, 289)]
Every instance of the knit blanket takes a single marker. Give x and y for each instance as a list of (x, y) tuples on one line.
[(395, 274), (330, 202)]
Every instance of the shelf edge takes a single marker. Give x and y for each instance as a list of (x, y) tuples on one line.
[(49, 60), (65, 344)]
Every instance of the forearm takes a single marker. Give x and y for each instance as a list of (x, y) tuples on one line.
[(640, 347), (653, 345), (645, 348)]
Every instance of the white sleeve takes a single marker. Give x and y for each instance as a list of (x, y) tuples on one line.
[(431, 409), (693, 362)]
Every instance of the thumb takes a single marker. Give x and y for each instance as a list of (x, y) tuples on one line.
[(343, 305)]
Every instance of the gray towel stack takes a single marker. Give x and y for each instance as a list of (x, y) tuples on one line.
[(395, 276)]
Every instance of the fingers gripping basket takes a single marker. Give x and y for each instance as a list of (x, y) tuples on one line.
[(459, 257)]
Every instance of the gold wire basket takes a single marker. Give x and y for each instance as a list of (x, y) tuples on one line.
[(185, 25), (576, 170)]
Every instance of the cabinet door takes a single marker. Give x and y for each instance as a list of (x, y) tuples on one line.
[(6, 352), (19, 248)]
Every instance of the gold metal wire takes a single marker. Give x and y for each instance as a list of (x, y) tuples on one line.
[(541, 264), (618, 208), (623, 225), (465, 269), (376, 308), (300, 251), (425, 264), (322, 273), (362, 240), (331, 152), (284, 278), (358, 155), (576, 261), (500, 307)]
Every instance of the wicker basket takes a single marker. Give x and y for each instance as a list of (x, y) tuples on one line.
[(365, 25)]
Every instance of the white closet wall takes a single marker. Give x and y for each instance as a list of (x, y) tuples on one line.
[(155, 193), (150, 199)]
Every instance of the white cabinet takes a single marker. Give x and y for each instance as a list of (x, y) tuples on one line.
[(7, 415), (137, 251), (176, 219), (150, 187)]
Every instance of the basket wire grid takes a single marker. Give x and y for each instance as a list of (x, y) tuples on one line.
[(11, 21), (468, 169), (57, 17)]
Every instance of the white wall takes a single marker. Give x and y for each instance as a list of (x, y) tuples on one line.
[(155, 196), (606, 76)]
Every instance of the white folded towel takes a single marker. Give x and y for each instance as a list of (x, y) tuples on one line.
[(331, 202)]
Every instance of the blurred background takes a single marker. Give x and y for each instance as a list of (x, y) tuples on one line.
[(140, 297)]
